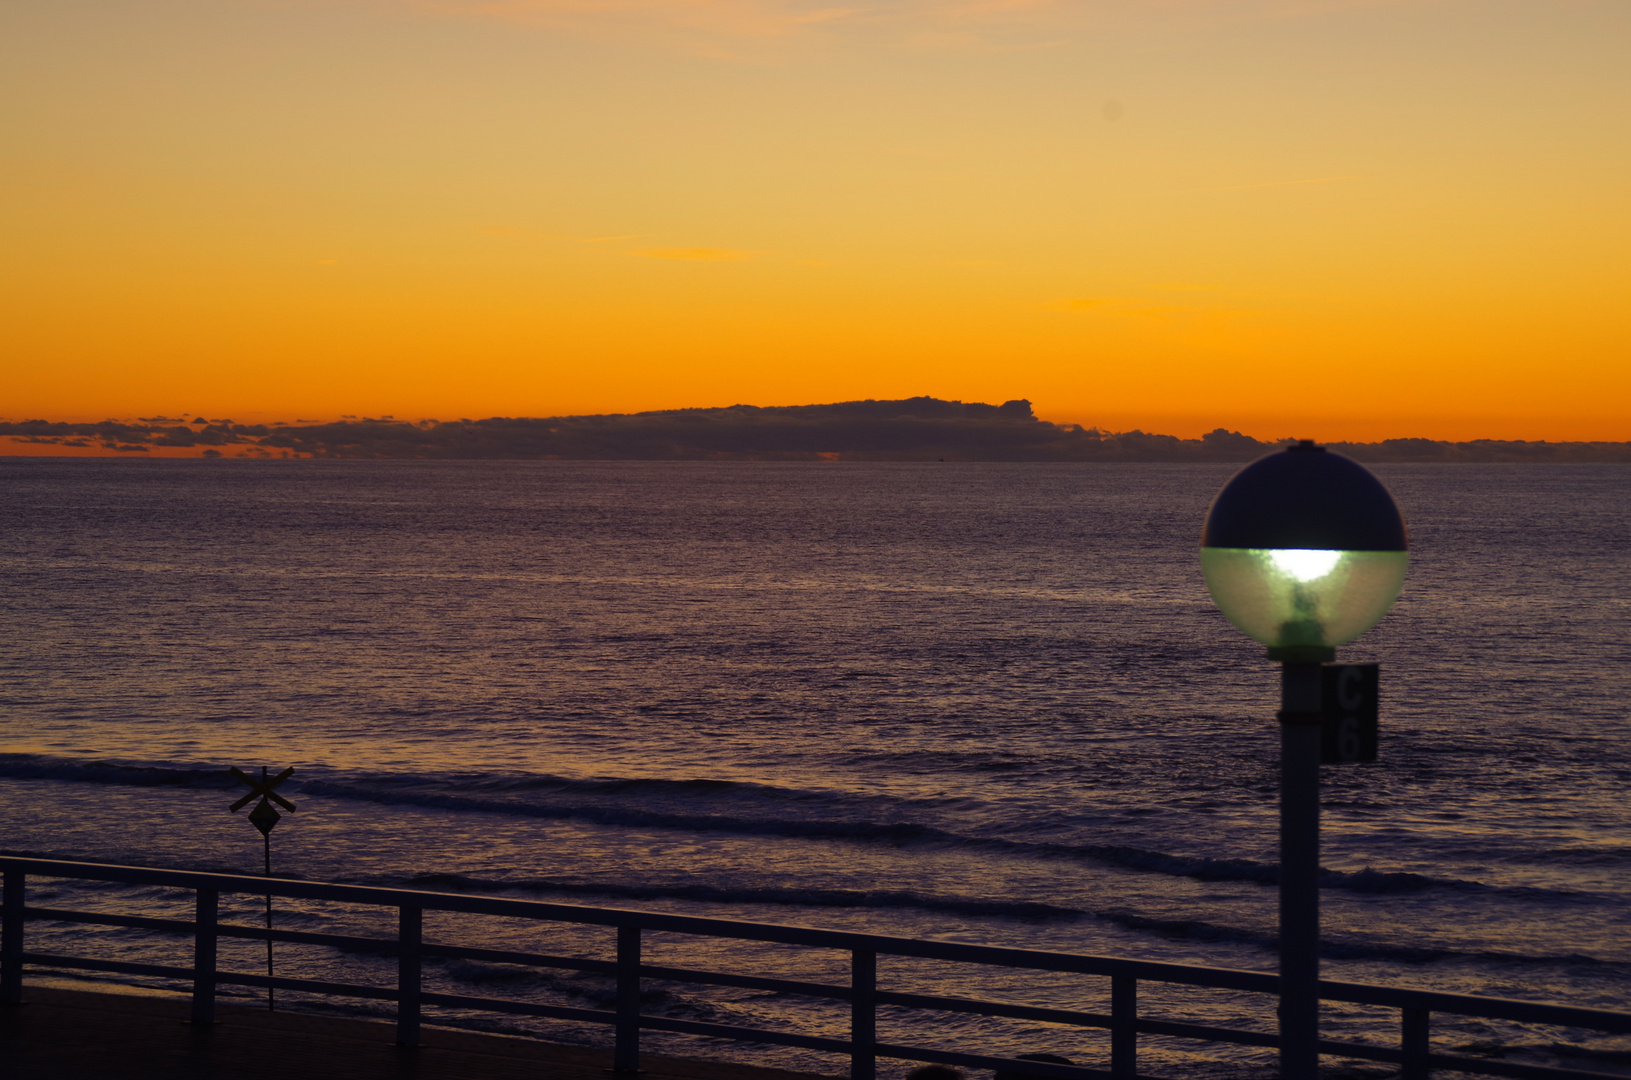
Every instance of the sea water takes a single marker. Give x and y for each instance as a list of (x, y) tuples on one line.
[(988, 703)]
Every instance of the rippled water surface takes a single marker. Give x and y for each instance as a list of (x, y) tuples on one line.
[(982, 702)]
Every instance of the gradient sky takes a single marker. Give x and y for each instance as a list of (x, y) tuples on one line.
[(1331, 218)]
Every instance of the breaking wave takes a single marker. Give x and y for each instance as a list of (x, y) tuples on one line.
[(739, 808)]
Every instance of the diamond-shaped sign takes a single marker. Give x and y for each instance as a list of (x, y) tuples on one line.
[(263, 817)]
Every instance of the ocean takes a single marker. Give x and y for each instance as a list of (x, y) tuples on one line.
[(979, 702)]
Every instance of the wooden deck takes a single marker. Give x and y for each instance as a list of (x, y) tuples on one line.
[(76, 1035)]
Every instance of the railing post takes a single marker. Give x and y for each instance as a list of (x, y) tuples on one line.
[(1123, 1027), (626, 1051), (11, 939), (1413, 1041), (410, 925), (204, 939), (863, 1015)]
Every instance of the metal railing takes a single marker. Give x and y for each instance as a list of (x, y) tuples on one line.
[(1414, 1054)]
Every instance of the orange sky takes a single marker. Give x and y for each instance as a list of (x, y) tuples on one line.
[(1334, 218)]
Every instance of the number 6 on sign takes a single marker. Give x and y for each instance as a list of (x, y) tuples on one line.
[(1348, 744)]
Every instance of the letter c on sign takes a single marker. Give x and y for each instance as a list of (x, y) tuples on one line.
[(1349, 685)]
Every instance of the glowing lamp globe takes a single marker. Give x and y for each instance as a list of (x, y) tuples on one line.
[(1304, 550)]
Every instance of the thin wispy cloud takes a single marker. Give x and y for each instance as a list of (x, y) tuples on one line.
[(531, 234), (1257, 187), (726, 18), (909, 23), (696, 254), (522, 234), (1121, 306)]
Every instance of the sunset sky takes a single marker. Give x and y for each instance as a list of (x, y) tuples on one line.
[(1331, 218)]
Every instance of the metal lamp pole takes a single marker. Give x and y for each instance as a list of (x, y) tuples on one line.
[(1300, 720)]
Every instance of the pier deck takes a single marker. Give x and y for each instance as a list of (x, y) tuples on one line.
[(63, 1034)]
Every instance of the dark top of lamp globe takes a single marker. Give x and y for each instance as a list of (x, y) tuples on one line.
[(1305, 497)]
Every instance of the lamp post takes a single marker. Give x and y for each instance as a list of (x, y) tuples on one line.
[(1303, 550)]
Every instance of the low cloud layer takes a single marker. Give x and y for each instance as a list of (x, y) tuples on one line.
[(912, 429)]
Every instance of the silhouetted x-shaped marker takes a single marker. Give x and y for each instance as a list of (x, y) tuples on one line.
[(262, 789)]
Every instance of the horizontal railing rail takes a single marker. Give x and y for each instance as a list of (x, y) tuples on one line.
[(1414, 1053)]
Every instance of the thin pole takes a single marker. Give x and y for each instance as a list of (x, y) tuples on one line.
[(1299, 871), (266, 848)]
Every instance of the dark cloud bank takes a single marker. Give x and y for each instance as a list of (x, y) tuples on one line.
[(914, 429)]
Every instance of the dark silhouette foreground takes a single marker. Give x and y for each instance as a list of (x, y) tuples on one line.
[(1052, 1059), (72, 1035)]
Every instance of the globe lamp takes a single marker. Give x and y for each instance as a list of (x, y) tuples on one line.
[(1304, 550)]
